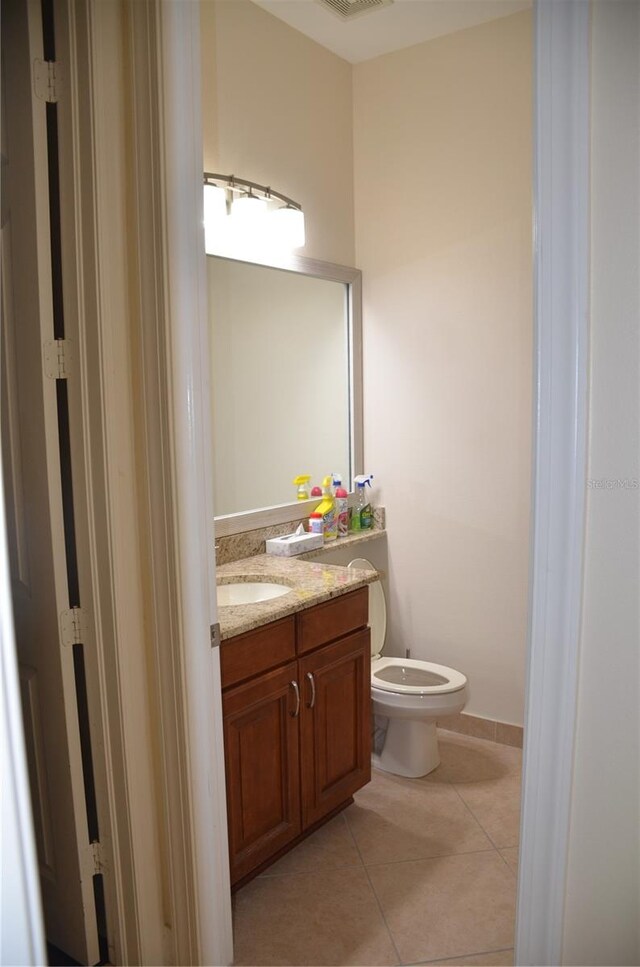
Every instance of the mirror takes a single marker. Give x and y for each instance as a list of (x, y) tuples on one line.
[(286, 383)]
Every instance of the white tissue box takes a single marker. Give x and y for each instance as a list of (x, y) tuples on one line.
[(290, 544)]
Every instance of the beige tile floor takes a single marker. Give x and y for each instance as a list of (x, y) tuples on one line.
[(416, 871)]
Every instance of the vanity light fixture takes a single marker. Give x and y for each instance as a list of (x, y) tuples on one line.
[(243, 219)]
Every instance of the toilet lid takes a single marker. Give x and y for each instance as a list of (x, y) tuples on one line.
[(377, 607), (409, 676)]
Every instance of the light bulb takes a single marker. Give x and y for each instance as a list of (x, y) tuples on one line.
[(248, 222), (249, 211), (287, 228)]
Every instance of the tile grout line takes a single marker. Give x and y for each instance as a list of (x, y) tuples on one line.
[(469, 782), (509, 866), (437, 856), (495, 848), (477, 953), (373, 889), (331, 869), (471, 812), (486, 833)]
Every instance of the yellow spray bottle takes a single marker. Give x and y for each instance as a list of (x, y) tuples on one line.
[(302, 483), (327, 507)]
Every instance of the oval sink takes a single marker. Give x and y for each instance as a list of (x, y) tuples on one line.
[(249, 592)]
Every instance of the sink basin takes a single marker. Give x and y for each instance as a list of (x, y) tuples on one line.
[(249, 592)]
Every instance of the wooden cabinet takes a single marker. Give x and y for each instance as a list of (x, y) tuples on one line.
[(297, 735), (262, 765), (335, 726)]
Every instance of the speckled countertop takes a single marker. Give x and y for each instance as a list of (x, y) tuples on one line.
[(363, 537), (311, 583)]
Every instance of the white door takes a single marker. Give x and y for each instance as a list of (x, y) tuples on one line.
[(41, 579)]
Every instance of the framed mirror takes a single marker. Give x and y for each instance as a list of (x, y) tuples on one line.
[(286, 373)]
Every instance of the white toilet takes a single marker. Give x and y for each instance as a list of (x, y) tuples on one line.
[(408, 696)]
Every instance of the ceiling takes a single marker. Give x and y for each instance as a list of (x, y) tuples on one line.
[(382, 30)]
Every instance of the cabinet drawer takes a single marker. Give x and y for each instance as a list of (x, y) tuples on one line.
[(257, 651), (332, 620)]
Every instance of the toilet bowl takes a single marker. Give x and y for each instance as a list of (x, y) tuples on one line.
[(408, 696)]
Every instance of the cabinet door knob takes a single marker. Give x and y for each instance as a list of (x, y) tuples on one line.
[(296, 690), (312, 682)]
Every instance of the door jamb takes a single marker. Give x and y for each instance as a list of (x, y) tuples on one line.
[(175, 420), (188, 376), (93, 184), (561, 246)]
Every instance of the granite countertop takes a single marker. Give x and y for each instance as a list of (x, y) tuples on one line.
[(310, 582), (361, 537)]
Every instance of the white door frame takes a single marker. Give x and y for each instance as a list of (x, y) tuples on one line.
[(179, 172), (561, 251), (170, 331)]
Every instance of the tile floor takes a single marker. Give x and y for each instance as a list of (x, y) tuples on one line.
[(416, 871)]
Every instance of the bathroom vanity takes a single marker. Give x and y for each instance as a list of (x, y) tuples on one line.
[(296, 707)]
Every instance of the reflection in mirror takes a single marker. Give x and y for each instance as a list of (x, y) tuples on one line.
[(282, 380)]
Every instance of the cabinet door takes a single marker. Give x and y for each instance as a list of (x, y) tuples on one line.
[(335, 753), (263, 780)]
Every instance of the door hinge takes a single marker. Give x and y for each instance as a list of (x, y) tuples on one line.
[(97, 856), (47, 78), (73, 627), (215, 635), (57, 359)]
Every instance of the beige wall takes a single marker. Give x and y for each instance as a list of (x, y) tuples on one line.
[(443, 212), (442, 148), (602, 918), (277, 109)]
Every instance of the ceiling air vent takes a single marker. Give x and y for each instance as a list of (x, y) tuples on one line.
[(347, 9)]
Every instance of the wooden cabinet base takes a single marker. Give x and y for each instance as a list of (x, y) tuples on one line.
[(287, 849), (296, 704)]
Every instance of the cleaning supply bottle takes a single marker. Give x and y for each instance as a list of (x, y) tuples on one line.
[(327, 507), (362, 517), (342, 507), (302, 483), (316, 491)]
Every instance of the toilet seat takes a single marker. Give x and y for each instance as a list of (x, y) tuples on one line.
[(406, 676), (402, 676)]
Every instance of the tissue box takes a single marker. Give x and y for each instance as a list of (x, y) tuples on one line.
[(290, 544)]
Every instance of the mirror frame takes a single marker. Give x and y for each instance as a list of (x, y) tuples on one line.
[(243, 521)]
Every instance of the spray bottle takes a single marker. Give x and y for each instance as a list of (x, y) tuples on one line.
[(327, 507), (342, 507), (362, 517), (302, 483)]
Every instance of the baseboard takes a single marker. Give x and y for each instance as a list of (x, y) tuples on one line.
[(481, 728)]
